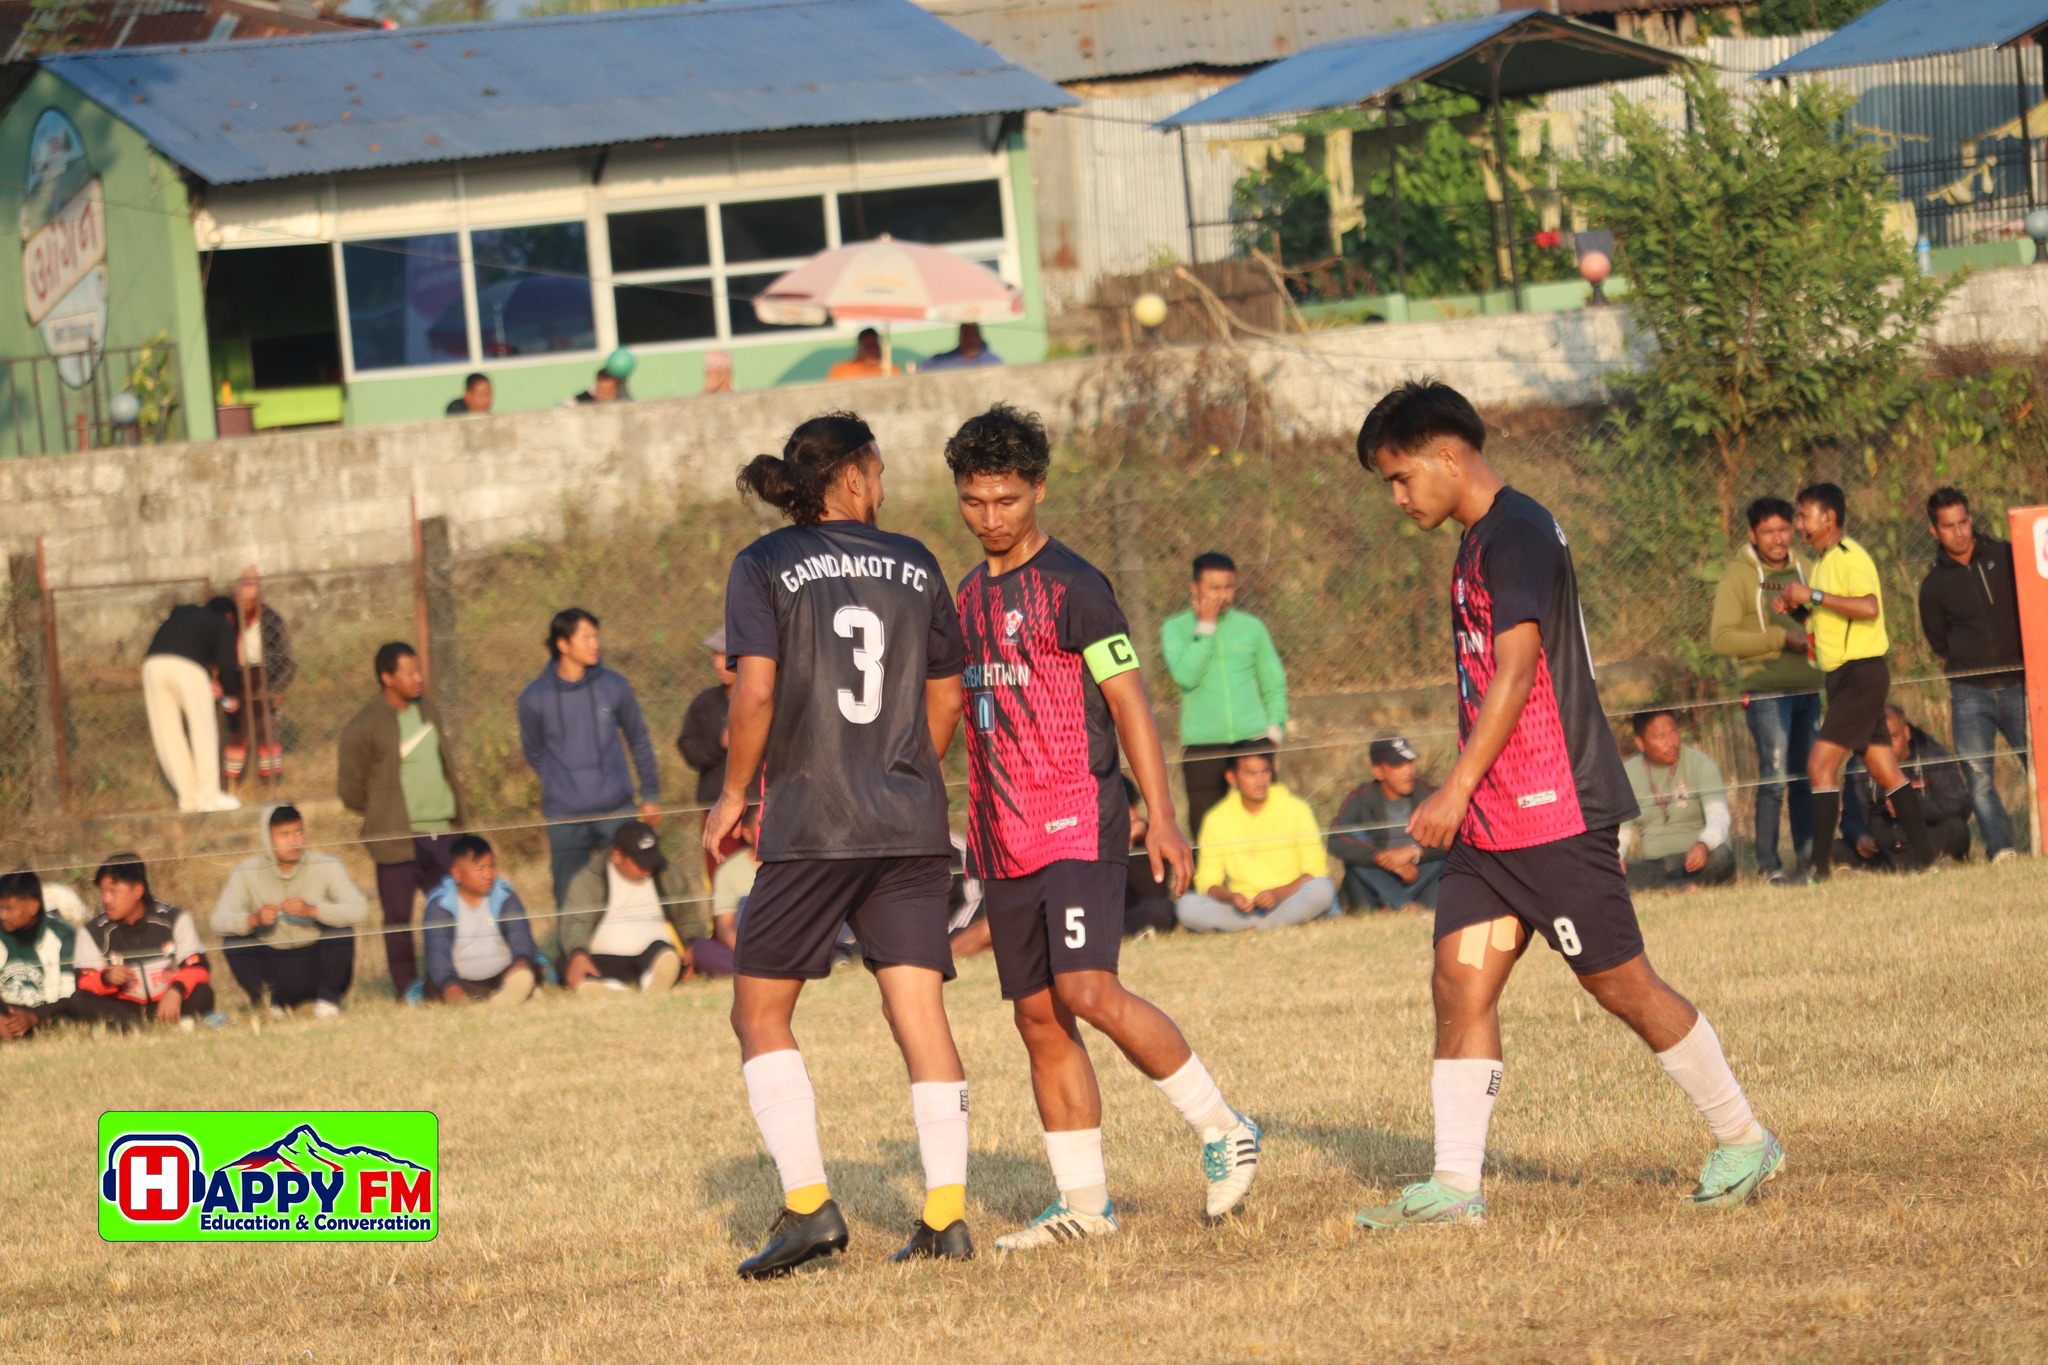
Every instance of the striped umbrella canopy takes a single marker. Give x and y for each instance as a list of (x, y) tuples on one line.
[(888, 281)]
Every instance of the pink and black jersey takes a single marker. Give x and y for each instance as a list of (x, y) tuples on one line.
[(1560, 774), (1042, 778)]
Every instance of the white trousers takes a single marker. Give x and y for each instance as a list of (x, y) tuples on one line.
[(178, 696)]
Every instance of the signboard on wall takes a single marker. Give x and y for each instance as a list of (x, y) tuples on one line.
[(64, 247)]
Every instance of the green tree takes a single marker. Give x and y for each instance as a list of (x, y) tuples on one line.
[(1772, 18), (413, 13), (1758, 259)]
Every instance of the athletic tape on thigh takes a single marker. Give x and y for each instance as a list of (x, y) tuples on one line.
[(1503, 935)]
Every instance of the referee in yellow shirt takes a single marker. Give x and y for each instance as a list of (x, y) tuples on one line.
[(1845, 623)]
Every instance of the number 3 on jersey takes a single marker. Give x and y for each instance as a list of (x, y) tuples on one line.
[(867, 657)]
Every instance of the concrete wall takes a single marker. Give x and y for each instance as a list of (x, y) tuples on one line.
[(2005, 311)]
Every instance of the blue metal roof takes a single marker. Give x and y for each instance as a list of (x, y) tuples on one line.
[(1542, 52), (271, 109), (1905, 29)]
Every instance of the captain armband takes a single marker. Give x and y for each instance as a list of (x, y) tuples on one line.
[(1107, 658)]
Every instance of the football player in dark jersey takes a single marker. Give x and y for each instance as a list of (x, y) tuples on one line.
[(848, 653), (1052, 684), (1531, 814)]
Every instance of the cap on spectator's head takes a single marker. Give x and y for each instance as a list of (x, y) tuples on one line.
[(638, 841), (715, 641), (1392, 749)]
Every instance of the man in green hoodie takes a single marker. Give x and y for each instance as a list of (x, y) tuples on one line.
[(1780, 685), (37, 975), (1232, 687), (287, 920)]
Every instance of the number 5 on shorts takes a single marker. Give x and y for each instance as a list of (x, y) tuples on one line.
[(1077, 931), (1567, 936)]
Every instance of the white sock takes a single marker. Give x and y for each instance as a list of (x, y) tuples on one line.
[(1192, 1091), (1077, 1169), (940, 1108), (1697, 1063), (1462, 1092), (779, 1089)]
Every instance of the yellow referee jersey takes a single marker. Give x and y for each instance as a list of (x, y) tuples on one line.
[(1846, 571)]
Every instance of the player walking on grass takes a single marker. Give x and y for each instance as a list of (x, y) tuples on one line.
[(1530, 813), (1052, 684), (848, 652)]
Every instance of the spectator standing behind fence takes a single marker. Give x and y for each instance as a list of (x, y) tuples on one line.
[(263, 646), (1232, 686), (287, 920), (703, 739), (1262, 863), (191, 666), (1780, 685), (1871, 836), (576, 721), (397, 771), (38, 970), (630, 917), (1969, 608), (1680, 834), (1384, 868), (479, 935), (139, 960)]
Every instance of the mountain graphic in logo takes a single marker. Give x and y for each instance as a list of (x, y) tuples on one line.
[(304, 1149)]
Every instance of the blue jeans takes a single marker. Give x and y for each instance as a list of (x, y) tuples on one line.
[(1375, 888), (570, 844), (1783, 728), (1979, 716)]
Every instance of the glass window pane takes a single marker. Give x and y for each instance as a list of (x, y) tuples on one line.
[(664, 239), (533, 289), (405, 301), (772, 229), (740, 291), (682, 310), (932, 214)]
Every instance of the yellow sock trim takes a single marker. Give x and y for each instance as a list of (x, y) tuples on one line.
[(945, 1206), (807, 1200)]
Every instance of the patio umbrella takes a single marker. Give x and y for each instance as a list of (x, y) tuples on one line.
[(886, 281)]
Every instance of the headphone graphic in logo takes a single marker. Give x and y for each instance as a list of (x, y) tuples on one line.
[(153, 1177)]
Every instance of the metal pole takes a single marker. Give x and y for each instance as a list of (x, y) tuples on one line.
[(56, 675), (1187, 197), (1505, 229), (419, 594), (2019, 75), (1394, 181)]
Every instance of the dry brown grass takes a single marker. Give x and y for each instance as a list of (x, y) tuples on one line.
[(602, 1173)]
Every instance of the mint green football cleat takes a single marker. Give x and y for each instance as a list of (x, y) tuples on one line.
[(1427, 1201), (1735, 1173)]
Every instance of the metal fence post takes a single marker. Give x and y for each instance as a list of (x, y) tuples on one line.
[(53, 703), (437, 578), (419, 597), (31, 726)]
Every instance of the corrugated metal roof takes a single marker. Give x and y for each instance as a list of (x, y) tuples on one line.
[(1073, 40), (1548, 53), (1904, 29), (278, 108)]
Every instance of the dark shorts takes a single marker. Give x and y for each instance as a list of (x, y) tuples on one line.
[(1066, 917), (628, 968), (1571, 891), (896, 907), (1856, 693)]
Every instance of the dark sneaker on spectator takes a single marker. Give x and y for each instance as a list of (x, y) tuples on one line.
[(796, 1238)]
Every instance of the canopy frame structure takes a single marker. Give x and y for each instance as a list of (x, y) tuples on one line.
[(1435, 54)]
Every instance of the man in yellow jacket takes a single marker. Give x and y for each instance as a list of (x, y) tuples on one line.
[(1262, 864)]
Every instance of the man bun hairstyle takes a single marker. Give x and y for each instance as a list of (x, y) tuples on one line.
[(1409, 418), (388, 655), (1763, 509), (1003, 440), (794, 482), (1829, 496), (1945, 496)]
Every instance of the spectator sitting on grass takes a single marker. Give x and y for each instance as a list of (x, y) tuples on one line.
[(479, 938), (1384, 868), (37, 973), (732, 881), (139, 960), (1262, 863), (287, 920), (1680, 834), (1871, 837), (1148, 901), (629, 916)]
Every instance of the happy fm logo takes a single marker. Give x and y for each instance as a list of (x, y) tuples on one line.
[(160, 1178)]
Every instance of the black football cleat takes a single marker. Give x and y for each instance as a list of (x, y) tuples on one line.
[(794, 1238), (926, 1244)]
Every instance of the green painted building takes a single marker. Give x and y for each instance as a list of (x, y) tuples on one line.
[(341, 228)]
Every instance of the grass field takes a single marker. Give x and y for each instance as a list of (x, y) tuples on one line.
[(602, 1175)]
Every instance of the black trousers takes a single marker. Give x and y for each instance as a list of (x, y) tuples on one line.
[(1202, 769), (292, 976), (1950, 836), (89, 1008)]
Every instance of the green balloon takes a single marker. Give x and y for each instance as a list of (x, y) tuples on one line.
[(620, 363)]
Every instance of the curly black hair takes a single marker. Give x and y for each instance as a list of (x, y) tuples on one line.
[(1003, 440)]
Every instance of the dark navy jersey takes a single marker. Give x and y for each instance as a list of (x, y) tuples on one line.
[(1560, 774), (1043, 780), (857, 620)]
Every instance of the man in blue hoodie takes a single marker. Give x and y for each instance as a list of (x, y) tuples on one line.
[(576, 721), (479, 935)]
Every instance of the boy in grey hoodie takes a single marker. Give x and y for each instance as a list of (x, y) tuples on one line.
[(287, 919)]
